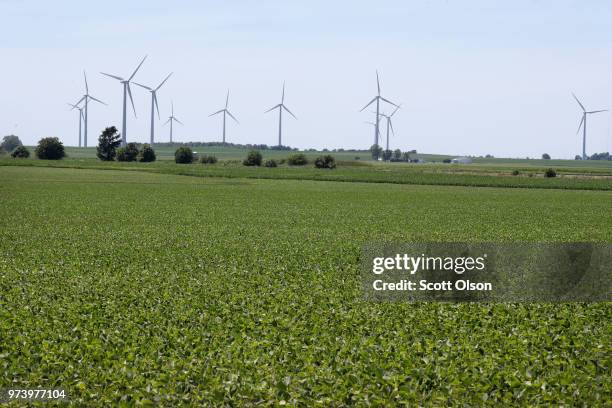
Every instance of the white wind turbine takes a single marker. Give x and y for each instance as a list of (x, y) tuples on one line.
[(390, 124), (172, 119), (126, 91), (154, 104), (86, 99), (225, 111), (280, 108), (377, 99), (81, 117), (583, 124)]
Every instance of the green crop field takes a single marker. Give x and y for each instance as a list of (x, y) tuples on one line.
[(144, 287)]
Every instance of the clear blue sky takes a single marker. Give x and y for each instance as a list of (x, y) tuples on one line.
[(474, 77)]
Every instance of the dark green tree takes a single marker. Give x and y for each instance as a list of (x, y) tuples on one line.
[(129, 153), (50, 148), (183, 155), (21, 152), (376, 151), (546, 156), (108, 142), (253, 159), (147, 154), (397, 154), (10, 142)]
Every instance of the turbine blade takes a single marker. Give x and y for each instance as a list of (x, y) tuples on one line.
[(178, 121), (580, 125), (396, 109), (369, 103), (579, 103), (272, 108), (112, 76), (131, 99), (232, 116), (86, 86), (81, 100), (377, 82), (142, 86), (597, 111), (227, 99), (164, 81), (388, 101), (73, 106), (284, 107), (156, 104), (283, 97), (169, 119), (391, 126), (217, 112), (137, 68), (97, 100)]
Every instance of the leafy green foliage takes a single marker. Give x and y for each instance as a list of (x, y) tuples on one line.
[(20, 152), (546, 156), (253, 159), (129, 153), (108, 142), (208, 159), (146, 154), (220, 309), (550, 173), (297, 159), (325, 162), (376, 151), (9, 143), (270, 163), (183, 155), (50, 148)]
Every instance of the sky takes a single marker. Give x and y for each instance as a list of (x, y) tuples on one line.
[(472, 77)]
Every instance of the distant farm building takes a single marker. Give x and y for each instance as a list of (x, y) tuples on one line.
[(461, 160)]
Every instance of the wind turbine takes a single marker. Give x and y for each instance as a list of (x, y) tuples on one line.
[(126, 91), (81, 117), (86, 99), (280, 108), (583, 124), (154, 104), (377, 99), (171, 119), (225, 112), (389, 124)]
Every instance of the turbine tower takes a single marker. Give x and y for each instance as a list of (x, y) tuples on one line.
[(81, 117), (86, 99), (583, 124), (225, 112), (280, 108), (377, 99), (126, 91), (390, 124), (171, 119), (154, 104)]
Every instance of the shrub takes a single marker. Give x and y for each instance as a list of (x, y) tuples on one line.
[(9, 143), (282, 161), (50, 148), (108, 142), (325, 162), (253, 159), (550, 173), (387, 154), (183, 155), (546, 156), (515, 172), (297, 159), (129, 153), (270, 163), (446, 161), (208, 159), (21, 152), (147, 154), (357, 158)]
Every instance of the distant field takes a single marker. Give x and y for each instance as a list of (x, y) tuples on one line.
[(155, 289)]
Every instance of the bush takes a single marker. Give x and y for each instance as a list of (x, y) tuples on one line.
[(550, 173), (208, 159), (325, 162), (515, 172), (21, 152), (9, 143), (50, 148), (253, 159), (183, 155), (546, 156), (270, 163), (446, 161), (108, 142), (147, 154), (129, 153), (298, 159)]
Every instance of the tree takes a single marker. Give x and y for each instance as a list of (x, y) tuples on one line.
[(253, 159), (147, 154), (108, 142), (397, 154), (550, 173), (387, 154), (577, 157), (270, 163), (128, 153), (546, 156), (406, 156), (325, 162), (183, 155), (21, 152), (10, 142), (297, 159), (50, 148), (376, 151)]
